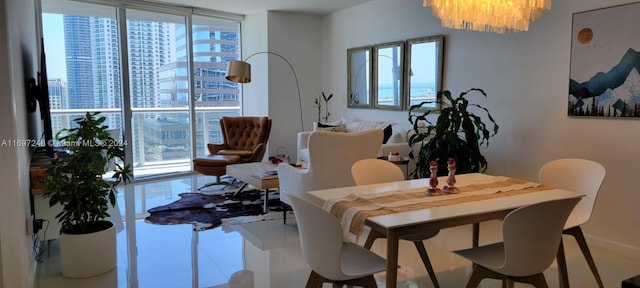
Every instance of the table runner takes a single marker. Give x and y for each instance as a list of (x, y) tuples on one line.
[(352, 210)]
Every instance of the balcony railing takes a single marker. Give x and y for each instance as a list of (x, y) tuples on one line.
[(161, 139)]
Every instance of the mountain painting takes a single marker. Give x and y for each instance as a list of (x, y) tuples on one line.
[(605, 63)]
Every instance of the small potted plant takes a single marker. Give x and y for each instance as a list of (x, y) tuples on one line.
[(318, 104), (76, 182), (458, 134)]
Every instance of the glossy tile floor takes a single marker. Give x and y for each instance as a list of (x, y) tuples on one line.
[(267, 253)]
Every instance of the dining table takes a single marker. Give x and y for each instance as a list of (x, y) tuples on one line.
[(396, 209)]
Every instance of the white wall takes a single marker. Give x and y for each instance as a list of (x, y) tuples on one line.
[(526, 78), (18, 60), (254, 39), (298, 38)]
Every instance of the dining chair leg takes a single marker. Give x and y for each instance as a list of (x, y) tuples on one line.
[(371, 282), (366, 282), (478, 274), (422, 251), (537, 280), (315, 280), (284, 215), (576, 232), (563, 274), (373, 235), (285, 206)]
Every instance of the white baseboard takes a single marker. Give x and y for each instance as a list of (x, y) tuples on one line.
[(614, 246)]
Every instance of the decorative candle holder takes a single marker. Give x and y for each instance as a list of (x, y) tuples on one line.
[(433, 189), (451, 178)]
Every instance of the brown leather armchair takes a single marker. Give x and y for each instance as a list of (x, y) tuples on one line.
[(244, 140), (243, 136)]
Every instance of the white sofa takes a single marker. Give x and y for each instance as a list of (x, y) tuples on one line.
[(396, 139)]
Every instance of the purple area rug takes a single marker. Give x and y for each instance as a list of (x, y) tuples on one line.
[(206, 211)]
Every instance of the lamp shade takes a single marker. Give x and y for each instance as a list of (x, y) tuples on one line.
[(239, 72)]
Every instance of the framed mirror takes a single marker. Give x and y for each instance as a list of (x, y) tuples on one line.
[(424, 71), (359, 67), (388, 76)]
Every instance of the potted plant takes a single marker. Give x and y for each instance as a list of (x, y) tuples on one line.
[(76, 182), (318, 104), (458, 134)]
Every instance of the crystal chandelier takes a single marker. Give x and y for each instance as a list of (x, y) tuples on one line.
[(497, 16)]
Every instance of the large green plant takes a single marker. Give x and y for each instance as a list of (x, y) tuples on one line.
[(458, 133), (76, 181)]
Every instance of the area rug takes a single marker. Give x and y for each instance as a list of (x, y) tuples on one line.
[(207, 211)]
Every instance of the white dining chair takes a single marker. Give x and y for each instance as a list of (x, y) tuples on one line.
[(531, 237), (373, 171), (578, 175), (331, 259)]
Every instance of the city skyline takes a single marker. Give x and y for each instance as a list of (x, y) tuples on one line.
[(88, 77)]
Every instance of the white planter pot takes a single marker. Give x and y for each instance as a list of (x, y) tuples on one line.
[(88, 255)]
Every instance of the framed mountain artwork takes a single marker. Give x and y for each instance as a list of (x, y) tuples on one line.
[(605, 63)]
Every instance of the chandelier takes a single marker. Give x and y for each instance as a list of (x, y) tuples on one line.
[(497, 16)]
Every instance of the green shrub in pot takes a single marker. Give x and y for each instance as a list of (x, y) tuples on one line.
[(76, 182), (458, 133)]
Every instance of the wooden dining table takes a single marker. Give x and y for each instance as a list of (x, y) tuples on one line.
[(396, 209)]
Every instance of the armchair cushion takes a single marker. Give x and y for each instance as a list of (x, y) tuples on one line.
[(241, 153)]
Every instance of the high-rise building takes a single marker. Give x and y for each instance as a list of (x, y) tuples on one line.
[(58, 99), (77, 42), (150, 47), (105, 53)]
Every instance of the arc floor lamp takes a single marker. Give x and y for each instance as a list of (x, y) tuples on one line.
[(240, 72)]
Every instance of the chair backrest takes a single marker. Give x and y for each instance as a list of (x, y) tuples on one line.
[(246, 133), (373, 171), (331, 155), (320, 238), (577, 175), (532, 236)]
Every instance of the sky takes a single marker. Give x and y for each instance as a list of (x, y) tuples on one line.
[(53, 33)]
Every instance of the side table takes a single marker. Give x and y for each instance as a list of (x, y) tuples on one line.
[(404, 161), (246, 172)]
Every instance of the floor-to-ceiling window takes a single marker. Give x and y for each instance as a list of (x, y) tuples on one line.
[(215, 43), (172, 84)]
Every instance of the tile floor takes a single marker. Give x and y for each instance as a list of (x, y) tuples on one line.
[(267, 254)]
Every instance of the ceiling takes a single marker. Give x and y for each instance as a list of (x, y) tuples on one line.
[(319, 7)]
